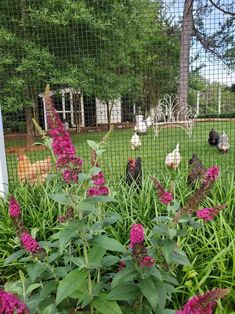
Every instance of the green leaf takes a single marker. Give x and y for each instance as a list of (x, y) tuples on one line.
[(106, 307), (124, 291), (161, 229), (13, 257), (156, 273), (110, 260), (70, 284), (53, 257), (48, 288), (62, 199), (95, 171), (83, 177), (168, 248), (109, 244), (35, 270), (49, 309), (180, 258), (95, 256), (111, 218), (162, 219), (148, 289), (33, 287), (76, 260), (87, 207), (127, 274), (93, 145), (68, 232), (99, 199), (172, 233), (175, 206)]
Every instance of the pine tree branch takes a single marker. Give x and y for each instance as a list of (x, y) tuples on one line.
[(221, 9)]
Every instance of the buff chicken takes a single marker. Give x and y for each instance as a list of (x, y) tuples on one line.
[(33, 172)]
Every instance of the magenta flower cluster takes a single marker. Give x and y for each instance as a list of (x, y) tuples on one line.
[(164, 196), (136, 234), (139, 251), (10, 304), (62, 145), (211, 174), (98, 191), (99, 179), (29, 243), (203, 304), (208, 214), (14, 208)]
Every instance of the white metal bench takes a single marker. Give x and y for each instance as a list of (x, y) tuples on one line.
[(166, 114)]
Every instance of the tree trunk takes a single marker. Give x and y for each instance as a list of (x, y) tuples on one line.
[(186, 35), (77, 110), (109, 111), (29, 125)]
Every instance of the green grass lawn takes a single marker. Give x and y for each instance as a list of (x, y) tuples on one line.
[(152, 151)]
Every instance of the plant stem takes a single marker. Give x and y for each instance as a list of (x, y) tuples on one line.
[(89, 275)]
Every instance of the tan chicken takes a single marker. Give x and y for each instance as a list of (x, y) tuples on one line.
[(33, 172)]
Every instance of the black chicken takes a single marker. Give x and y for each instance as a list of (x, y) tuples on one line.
[(134, 172), (213, 138), (197, 170)]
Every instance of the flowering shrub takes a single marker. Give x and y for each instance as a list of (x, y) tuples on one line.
[(81, 268), (10, 304), (203, 304)]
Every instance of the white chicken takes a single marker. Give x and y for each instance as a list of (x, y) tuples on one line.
[(223, 143), (173, 158), (141, 127), (135, 141), (148, 121)]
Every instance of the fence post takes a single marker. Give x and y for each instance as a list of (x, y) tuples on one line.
[(3, 163)]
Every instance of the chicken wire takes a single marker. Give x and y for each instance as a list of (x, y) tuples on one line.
[(117, 55)]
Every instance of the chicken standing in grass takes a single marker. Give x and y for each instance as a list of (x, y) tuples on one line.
[(135, 142), (173, 159), (197, 170), (213, 137), (134, 171), (33, 172), (223, 143)]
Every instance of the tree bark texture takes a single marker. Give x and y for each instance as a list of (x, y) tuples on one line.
[(186, 35), (29, 125)]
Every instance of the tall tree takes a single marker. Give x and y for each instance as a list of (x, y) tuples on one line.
[(216, 43)]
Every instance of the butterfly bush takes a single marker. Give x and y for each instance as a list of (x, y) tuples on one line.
[(139, 251), (62, 145), (10, 304), (14, 208), (203, 304), (208, 214), (192, 204), (29, 243), (164, 196)]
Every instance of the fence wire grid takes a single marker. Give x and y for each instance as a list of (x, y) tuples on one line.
[(113, 63)]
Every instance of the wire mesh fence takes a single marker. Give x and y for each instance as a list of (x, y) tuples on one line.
[(113, 63)]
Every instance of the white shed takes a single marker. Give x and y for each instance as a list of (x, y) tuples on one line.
[(92, 111)]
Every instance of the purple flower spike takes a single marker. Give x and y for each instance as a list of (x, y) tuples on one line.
[(136, 234), (14, 208)]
